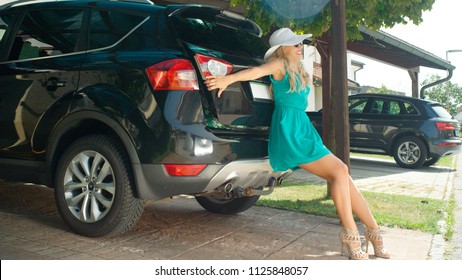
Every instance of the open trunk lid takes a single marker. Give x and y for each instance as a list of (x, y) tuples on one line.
[(230, 43)]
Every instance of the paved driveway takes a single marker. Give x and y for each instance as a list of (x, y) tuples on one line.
[(31, 227)]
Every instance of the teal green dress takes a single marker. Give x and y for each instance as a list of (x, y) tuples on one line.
[(293, 138)]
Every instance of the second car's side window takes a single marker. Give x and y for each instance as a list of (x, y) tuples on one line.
[(47, 33), (390, 107), (394, 108), (356, 106), (409, 109), (377, 106)]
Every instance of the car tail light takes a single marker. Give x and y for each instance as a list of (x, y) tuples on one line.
[(445, 126), (211, 66), (174, 74), (447, 144), (184, 169)]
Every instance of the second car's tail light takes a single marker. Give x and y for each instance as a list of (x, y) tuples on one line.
[(211, 66), (447, 144), (445, 126), (184, 169), (174, 74)]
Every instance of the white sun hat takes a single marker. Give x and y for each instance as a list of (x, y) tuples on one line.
[(284, 37)]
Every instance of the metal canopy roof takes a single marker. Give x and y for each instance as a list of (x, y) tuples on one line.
[(387, 48)]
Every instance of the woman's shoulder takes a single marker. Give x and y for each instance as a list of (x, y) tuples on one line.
[(280, 78), (279, 70)]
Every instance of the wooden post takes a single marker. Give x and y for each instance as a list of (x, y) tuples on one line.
[(326, 56), (339, 89)]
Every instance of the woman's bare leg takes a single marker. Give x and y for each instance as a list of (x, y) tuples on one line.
[(335, 171), (360, 207), (346, 196)]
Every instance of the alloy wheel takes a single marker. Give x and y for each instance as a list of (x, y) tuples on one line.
[(89, 186)]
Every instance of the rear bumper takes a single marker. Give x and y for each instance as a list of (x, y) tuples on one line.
[(153, 182), (446, 148), (245, 173)]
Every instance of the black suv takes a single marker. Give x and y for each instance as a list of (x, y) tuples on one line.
[(415, 132), (105, 102)]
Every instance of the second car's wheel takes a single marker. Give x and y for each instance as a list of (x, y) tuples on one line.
[(94, 187), (227, 206), (410, 152)]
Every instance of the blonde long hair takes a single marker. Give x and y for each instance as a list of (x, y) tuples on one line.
[(299, 73)]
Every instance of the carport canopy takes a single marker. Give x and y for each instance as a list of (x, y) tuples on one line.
[(384, 47), (375, 44)]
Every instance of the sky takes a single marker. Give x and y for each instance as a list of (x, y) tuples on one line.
[(438, 33)]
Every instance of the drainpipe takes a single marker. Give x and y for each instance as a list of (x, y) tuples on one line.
[(422, 95)]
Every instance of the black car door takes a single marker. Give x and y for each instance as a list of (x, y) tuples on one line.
[(381, 122), (40, 65), (357, 106)]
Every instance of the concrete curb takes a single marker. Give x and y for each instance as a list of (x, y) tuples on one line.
[(454, 246), (439, 246)]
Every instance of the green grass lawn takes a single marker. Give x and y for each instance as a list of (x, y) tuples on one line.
[(445, 161), (389, 210)]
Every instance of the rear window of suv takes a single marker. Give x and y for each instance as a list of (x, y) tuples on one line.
[(107, 27), (207, 30), (441, 112), (47, 33)]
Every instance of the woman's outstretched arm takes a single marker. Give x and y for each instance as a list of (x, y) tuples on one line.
[(275, 68)]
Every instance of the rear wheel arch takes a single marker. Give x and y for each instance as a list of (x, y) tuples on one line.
[(82, 124), (46, 123), (405, 134)]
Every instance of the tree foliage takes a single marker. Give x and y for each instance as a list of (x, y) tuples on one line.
[(314, 16), (447, 94), (383, 89)]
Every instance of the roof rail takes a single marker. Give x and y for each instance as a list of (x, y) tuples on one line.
[(16, 2), (136, 1)]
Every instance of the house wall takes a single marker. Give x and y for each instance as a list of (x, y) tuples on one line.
[(315, 97), (310, 54)]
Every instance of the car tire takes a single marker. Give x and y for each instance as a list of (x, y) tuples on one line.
[(227, 206), (410, 152), (431, 161), (94, 188)]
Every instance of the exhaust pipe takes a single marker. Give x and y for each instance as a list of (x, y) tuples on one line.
[(239, 192), (227, 188)]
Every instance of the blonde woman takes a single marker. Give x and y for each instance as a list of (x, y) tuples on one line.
[(294, 142)]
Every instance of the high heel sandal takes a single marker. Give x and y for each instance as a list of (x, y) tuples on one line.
[(374, 236), (350, 239)]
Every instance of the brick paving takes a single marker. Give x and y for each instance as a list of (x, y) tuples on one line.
[(179, 229)]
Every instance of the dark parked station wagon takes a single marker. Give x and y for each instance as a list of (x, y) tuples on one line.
[(414, 131), (105, 102)]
